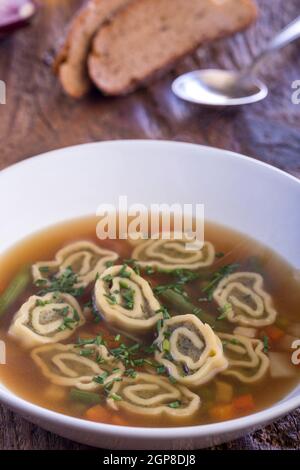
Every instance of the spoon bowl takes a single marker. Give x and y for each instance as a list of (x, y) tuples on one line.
[(214, 87)]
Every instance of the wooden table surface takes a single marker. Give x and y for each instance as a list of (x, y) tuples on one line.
[(38, 118)]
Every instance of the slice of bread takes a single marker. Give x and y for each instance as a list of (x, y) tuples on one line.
[(71, 62), (148, 36)]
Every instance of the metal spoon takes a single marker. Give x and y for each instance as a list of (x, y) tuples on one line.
[(228, 88)]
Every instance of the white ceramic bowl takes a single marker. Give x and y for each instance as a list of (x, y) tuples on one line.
[(237, 191)]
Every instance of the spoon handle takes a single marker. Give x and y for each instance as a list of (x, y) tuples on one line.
[(289, 34)]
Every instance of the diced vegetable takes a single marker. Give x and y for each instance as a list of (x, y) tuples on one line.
[(274, 333), (55, 393), (222, 412), (14, 290), (224, 392), (245, 331), (244, 403), (119, 420), (281, 366), (82, 396), (98, 413)]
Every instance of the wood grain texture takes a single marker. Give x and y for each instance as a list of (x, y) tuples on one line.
[(38, 118)]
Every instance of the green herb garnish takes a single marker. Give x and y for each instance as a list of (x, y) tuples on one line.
[(127, 294), (111, 299), (149, 270), (123, 272), (266, 343), (172, 379), (115, 397), (109, 264), (216, 279), (65, 282), (224, 311), (165, 313), (99, 379), (174, 404)]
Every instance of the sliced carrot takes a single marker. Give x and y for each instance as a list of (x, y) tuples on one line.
[(274, 333), (98, 413), (222, 412), (119, 420), (244, 403)]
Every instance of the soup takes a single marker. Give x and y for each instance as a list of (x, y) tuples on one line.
[(147, 333)]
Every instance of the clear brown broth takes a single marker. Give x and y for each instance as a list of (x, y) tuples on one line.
[(22, 376)]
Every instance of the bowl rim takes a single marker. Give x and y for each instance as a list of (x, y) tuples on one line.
[(230, 154), (253, 421), (31, 410)]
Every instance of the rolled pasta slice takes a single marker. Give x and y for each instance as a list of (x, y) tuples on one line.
[(190, 350), (77, 366), (46, 319), (245, 300), (149, 395), (86, 260), (126, 300), (173, 254), (246, 358)]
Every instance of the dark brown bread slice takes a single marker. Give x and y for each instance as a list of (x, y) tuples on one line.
[(149, 36), (71, 62)]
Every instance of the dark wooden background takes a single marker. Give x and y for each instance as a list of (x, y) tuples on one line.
[(38, 118)]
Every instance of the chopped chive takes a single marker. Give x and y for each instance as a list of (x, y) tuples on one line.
[(174, 404), (149, 270), (86, 352), (44, 269), (166, 345), (172, 379), (124, 273), (100, 379), (216, 279), (224, 311), (111, 299), (115, 397), (161, 370), (266, 343), (109, 264), (107, 278), (165, 312)]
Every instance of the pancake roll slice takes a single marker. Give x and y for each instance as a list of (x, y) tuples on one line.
[(46, 319), (126, 300), (190, 350)]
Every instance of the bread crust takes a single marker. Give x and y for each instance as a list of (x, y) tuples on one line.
[(95, 62), (70, 63)]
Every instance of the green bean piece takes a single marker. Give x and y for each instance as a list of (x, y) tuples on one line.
[(88, 398), (181, 304), (14, 290)]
